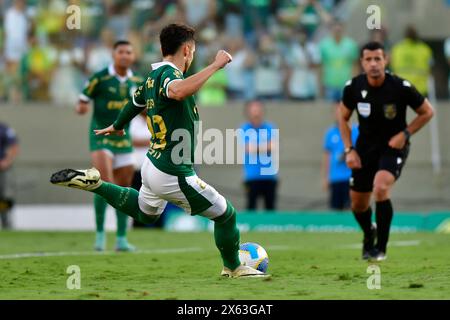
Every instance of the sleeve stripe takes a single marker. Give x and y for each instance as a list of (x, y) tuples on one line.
[(137, 104), (167, 86)]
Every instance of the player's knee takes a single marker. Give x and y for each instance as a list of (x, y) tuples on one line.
[(359, 207), (381, 191)]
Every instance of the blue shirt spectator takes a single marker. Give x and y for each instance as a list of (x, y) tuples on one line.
[(254, 161), (333, 144), (260, 140)]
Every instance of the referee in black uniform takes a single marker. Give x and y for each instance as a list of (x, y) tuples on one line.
[(380, 100)]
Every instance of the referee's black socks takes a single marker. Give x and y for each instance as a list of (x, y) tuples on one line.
[(384, 213), (365, 220)]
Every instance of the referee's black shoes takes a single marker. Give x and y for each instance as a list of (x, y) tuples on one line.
[(368, 250)]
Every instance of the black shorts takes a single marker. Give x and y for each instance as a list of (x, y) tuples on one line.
[(373, 159)]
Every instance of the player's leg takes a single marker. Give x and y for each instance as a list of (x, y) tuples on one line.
[(103, 161), (270, 187), (390, 167), (202, 199), (383, 183), (123, 198), (252, 194), (123, 174)]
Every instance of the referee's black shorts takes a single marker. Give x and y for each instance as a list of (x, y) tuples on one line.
[(373, 159)]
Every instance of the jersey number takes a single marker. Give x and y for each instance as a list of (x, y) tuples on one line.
[(161, 134)]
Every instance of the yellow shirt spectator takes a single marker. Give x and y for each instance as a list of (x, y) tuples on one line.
[(412, 60)]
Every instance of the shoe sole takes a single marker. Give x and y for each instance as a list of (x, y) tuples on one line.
[(254, 276), (227, 275), (64, 176)]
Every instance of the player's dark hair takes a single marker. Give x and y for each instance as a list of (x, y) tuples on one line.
[(173, 36), (371, 46), (121, 43)]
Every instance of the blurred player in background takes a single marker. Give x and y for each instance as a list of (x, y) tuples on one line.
[(381, 101), (110, 89), (171, 110), (9, 149)]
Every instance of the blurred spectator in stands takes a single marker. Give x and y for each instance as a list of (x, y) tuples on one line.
[(99, 56), (268, 70), (302, 57), (240, 73), (412, 59), (447, 56), (213, 92), (259, 150), (257, 19), (151, 51), (165, 12), (9, 149), (50, 18), (67, 79), (339, 61), (229, 15), (335, 173), (16, 27), (118, 17), (141, 142), (380, 36), (198, 13), (36, 68), (307, 14)]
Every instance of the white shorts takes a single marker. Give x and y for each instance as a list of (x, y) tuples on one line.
[(120, 160), (190, 193)]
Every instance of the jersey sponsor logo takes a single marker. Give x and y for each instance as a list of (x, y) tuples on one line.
[(364, 94), (364, 109), (112, 89), (116, 105), (390, 111)]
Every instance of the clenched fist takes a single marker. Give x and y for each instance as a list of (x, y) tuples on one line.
[(222, 59)]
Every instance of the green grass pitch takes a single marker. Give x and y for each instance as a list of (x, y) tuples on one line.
[(187, 266)]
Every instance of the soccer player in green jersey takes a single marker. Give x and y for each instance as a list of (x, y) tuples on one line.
[(171, 110), (110, 89)]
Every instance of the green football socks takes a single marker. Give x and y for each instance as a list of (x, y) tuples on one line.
[(125, 200), (227, 237)]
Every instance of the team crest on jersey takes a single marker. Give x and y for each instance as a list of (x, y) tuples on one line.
[(390, 111), (123, 89), (364, 109)]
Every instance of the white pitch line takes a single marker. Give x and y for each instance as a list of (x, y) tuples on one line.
[(92, 253), (406, 243)]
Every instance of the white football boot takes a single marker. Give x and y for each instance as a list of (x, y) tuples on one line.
[(243, 272), (80, 179)]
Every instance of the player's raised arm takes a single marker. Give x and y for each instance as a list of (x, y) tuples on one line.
[(180, 89), (129, 111)]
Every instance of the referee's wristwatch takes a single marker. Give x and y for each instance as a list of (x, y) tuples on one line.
[(348, 150), (407, 134)]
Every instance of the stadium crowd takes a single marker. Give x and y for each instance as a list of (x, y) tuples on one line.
[(283, 49), (274, 43)]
